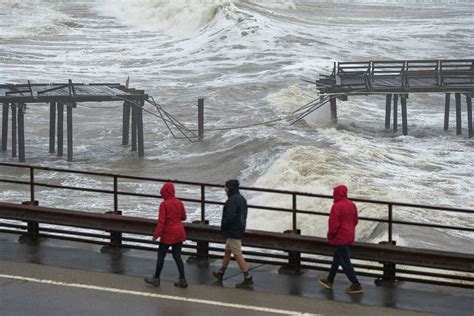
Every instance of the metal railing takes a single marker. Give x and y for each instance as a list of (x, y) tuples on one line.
[(203, 201)]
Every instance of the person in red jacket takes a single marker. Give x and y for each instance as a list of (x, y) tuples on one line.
[(342, 222), (170, 230)]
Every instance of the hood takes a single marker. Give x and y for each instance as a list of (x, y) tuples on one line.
[(232, 186), (167, 191), (339, 193)]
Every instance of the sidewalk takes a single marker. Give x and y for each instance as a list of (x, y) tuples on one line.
[(85, 264)]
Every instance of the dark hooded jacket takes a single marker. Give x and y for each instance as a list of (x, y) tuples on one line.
[(170, 228), (234, 215), (342, 219)]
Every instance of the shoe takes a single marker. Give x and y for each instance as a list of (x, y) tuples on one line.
[(153, 281), (181, 283), (245, 284), (218, 275), (326, 283), (354, 288)]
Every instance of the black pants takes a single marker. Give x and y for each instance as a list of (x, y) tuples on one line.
[(176, 250), (342, 257)]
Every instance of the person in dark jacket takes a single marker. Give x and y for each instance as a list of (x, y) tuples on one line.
[(342, 222), (234, 220), (170, 230)]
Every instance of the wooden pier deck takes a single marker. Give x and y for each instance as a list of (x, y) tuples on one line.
[(60, 95), (396, 79)]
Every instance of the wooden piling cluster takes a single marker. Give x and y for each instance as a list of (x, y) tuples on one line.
[(397, 79), (67, 96)]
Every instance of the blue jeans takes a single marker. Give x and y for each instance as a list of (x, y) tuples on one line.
[(342, 257)]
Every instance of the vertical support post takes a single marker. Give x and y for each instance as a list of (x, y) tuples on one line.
[(404, 114), (141, 143), (389, 275), (469, 114), (14, 129), (458, 114), (390, 220), (126, 123), (333, 109), (395, 113), (69, 132), (201, 119), (294, 258), (134, 127), (116, 195), (32, 233), (202, 248), (203, 203), (60, 128), (32, 185), (5, 127), (294, 211), (21, 132), (447, 99), (388, 109), (52, 126)]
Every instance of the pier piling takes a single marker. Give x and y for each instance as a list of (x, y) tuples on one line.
[(126, 123), (52, 126), (200, 119), (139, 116), (333, 109), (395, 113), (21, 132), (469, 114), (404, 114), (69, 131), (446, 111), (60, 111), (5, 127), (134, 128), (388, 109), (458, 114), (14, 129)]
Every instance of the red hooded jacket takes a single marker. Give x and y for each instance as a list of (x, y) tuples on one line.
[(171, 214), (342, 219)]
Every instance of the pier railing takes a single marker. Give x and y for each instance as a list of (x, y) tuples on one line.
[(204, 244)]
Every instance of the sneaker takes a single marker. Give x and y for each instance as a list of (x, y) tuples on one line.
[(218, 275), (245, 284), (354, 288), (153, 281), (181, 283), (326, 283)]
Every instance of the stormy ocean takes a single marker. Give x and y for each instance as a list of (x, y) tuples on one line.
[(248, 60)]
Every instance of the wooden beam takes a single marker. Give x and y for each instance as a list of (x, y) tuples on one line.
[(134, 128), (69, 132), (60, 108), (201, 119), (125, 123), (404, 115), (469, 114), (21, 132), (395, 113), (141, 144), (14, 129), (333, 109)]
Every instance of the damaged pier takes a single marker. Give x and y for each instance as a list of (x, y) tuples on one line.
[(396, 79), (62, 96)]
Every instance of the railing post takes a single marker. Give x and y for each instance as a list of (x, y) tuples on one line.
[(115, 245), (294, 212), (294, 258), (390, 217), (202, 248), (389, 276), (32, 233)]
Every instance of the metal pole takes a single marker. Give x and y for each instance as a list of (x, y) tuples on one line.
[(69, 133), (115, 194), (388, 109), (32, 185), (21, 132), (395, 113), (446, 111), (60, 128), (294, 211), (390, 218), (139, 116), (203, 203), (126, 123), (201, 119), (458, 114), (52, 126), (404, 115), (14, 130), (5, 127), (469, 114)]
